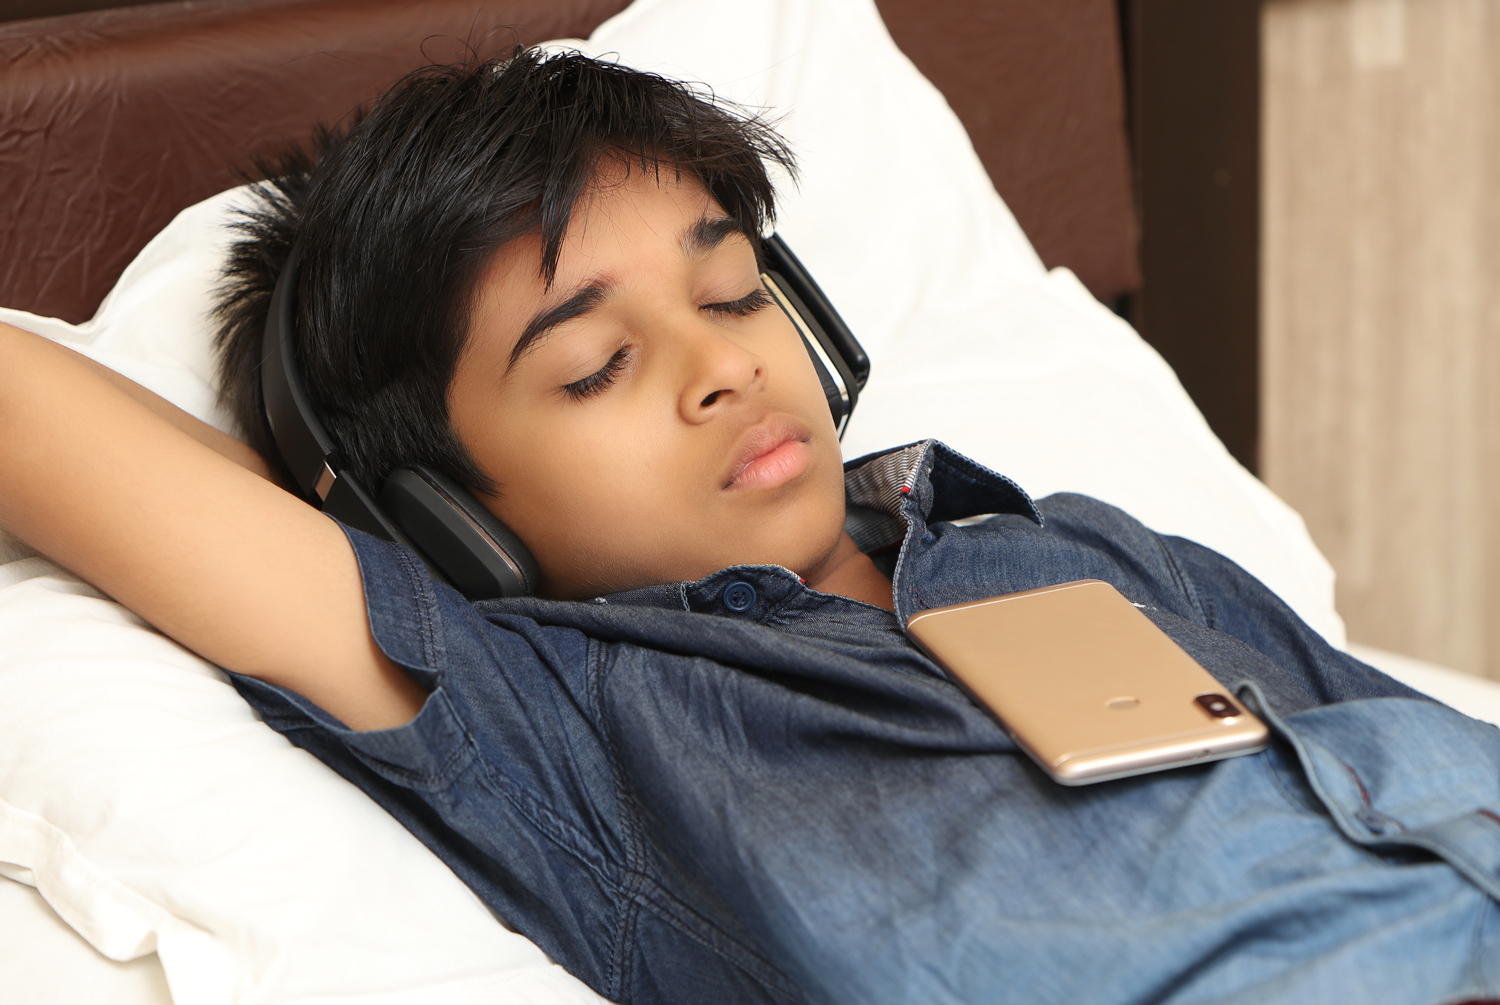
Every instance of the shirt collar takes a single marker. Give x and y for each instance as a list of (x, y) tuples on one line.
[(888, 492)]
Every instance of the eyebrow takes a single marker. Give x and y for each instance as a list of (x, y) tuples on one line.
[(541, 325), (708, 233), (702, 237)]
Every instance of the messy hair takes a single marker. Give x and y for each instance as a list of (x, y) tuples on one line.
[(397, 216)]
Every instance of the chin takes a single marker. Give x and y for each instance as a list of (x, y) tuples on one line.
[(803, 545)]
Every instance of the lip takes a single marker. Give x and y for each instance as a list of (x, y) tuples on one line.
[(769, 454)]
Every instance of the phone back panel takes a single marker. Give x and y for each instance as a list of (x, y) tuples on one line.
[(1084, 681)]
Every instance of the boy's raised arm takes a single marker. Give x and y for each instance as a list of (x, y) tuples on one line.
[(218, 558), (199, 430)]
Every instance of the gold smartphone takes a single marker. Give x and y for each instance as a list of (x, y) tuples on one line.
[(1085, 683)]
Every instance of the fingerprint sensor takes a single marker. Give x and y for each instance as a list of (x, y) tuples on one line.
[(1123, 703)]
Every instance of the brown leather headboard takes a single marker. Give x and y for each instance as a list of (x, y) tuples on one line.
[(112, 122)]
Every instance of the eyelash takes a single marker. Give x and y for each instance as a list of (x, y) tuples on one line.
[(601, 379), (757, 299)]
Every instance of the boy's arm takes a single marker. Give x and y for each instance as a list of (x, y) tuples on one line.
[(221, 560), (199, 430)]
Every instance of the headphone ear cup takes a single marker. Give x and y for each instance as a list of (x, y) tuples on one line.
[(477, 553)]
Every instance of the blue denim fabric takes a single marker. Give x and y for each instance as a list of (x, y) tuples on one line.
[(682, 801)]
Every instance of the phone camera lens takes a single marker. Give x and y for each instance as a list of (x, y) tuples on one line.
[(1217, 706)]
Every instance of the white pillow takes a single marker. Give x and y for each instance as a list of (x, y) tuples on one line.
[(153, 811), (46, 961)]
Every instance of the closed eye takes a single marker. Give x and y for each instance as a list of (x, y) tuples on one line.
[(751, 302), (600, 379)]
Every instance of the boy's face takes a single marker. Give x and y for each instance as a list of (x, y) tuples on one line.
[(651, 417)]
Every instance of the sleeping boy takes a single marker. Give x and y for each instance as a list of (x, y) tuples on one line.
[(704, 763)]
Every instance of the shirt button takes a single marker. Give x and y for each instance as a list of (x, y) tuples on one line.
[(739, 596)]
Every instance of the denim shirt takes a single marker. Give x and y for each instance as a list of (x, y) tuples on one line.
[(744, 790)]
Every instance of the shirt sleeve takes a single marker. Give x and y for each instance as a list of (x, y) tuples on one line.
[(507, 736)]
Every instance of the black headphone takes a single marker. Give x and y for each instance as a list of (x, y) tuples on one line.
[(455, 535)]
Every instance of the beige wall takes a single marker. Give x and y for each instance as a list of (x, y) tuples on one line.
[(1381, 310)]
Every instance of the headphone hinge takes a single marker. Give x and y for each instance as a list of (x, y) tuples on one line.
[(324, 485)]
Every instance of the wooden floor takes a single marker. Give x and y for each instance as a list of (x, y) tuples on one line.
[(1381, 310)]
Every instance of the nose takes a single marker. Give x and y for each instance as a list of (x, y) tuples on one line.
[(718, 371)]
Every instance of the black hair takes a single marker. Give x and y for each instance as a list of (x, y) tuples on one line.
[(397, 216)]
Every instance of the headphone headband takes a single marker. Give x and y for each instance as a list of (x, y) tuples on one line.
[(306, 447)]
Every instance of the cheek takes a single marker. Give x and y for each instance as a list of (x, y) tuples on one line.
[(588, 481), (799, 387)]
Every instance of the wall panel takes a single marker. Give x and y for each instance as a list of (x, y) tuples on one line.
[(1381, 309)]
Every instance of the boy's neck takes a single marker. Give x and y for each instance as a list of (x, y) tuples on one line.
[(848, 572)]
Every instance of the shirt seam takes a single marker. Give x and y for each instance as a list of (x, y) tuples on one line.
[(1206, 611), (1476, 968), (681, 916), (637, 885), (427, 616), (550, 824), (623, 916)]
